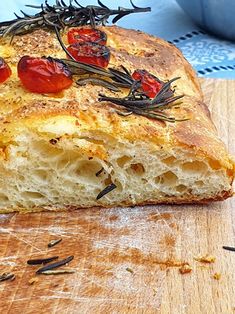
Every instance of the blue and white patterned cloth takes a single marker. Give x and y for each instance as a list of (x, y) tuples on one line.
[(210, 56)]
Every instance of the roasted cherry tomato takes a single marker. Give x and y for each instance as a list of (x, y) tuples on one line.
[(81, 35), (5, 71), (44, 75), (149, 83), (90, 53)]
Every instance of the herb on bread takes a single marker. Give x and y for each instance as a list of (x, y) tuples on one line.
[(137, 102), (63, 15), (106, 190)]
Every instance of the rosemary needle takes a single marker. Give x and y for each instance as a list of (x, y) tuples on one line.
[(58, 272), (229, 248), (106, 190), (55, 265), (42, 260), (7, 276)]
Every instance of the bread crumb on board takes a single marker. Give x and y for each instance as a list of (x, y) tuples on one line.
[(217, 276), (130, 270), (205, 259), (185, 269), (33, 280)]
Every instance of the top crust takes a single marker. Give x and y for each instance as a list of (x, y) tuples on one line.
[(76, 110)]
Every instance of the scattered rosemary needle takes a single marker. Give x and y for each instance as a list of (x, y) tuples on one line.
[(138, 103), (54, 242), (63, 15), (106, 190), (229, 248), (55, 265), (42, 260), (7, 276), (58, 272)]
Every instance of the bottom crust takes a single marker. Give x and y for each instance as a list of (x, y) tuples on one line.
[(170, 201)]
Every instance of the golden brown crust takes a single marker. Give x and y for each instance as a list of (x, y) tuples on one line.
[(79, 106)]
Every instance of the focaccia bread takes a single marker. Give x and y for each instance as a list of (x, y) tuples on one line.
[(60, 151)]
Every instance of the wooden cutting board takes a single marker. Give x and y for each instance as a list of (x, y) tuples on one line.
[(127, 260)]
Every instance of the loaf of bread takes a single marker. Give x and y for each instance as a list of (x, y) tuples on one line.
[(60, 151)]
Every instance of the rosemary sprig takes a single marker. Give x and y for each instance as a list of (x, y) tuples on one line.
[(113, 77), (79, 68), (63, 15), (138, 103)]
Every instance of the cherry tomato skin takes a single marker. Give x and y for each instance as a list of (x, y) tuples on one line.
[(84, 34), (5, 71), (150, 84), (44, 75), (90, 53)]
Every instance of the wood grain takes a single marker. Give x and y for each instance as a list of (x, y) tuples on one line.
[(128, 259)]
